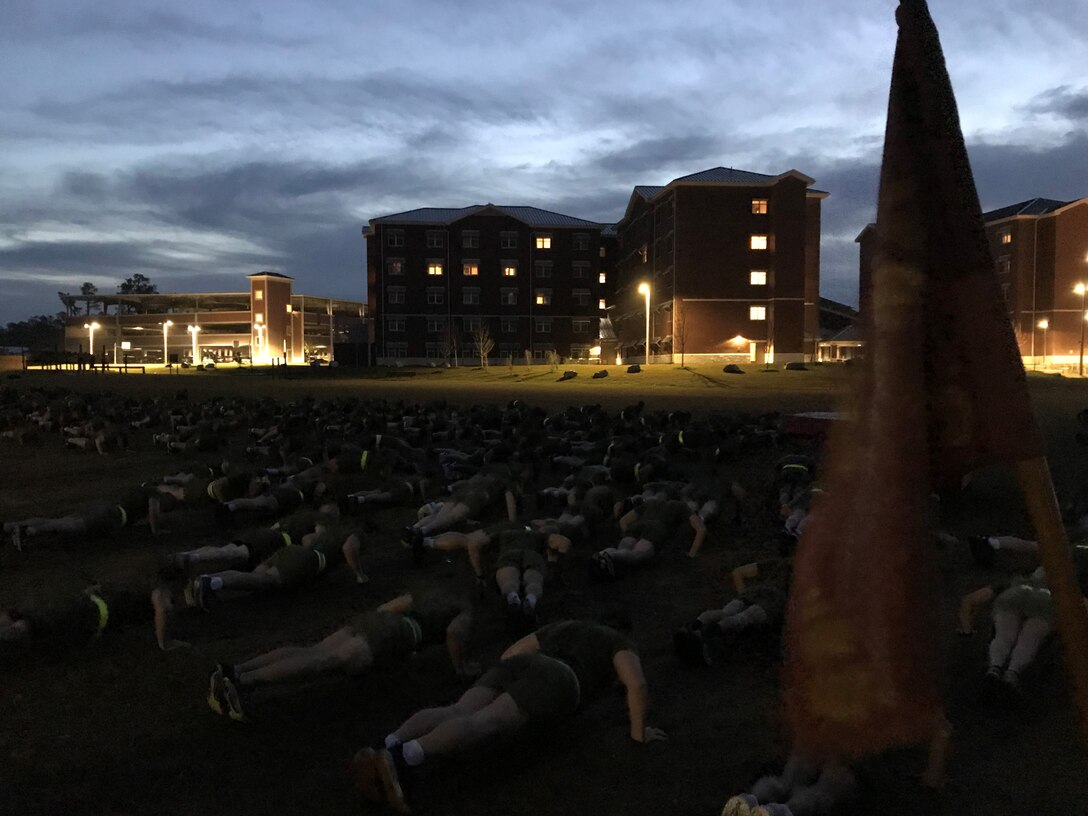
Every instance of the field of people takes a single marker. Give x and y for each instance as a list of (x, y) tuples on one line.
[(117, 726)]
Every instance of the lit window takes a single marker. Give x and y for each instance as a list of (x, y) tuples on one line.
[(643, 253), (758, 242), (758, 277), (581, 241), (1006, 236), (435, 240), (543, 242), (434, 267), (759, 206), (289, 308), (471, 268), (602, 278), (258, 317), (600, 304), (396, 266), (509, 269), (543, 297), (508, 240), (757, 312), (601, 253), (258, 294)]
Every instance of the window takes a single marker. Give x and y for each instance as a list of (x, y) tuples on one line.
[(580, 296), (543, 269), (601, 253), (600, 304), (470, 297), (602, 278), (508, 240), (543, 297), (470, 239), (434, 268), (758, 242), (395, 294), (1002, 265), (395, 324), (757, 312), (759, 206), (544, 325), (435, 297), (396, 238), (258, 294), (472, 324), (1006, 236), (508, 325), (643, 253), (579, 351), (509, 269), (435, 240), (435, 324), (581, 241), (580, 270), (509, 349), (258, 317), (396, 350), (395, 266), (758, 277), (508, 297), (434, 351), (579, 326), (543, 241), (470, 268)]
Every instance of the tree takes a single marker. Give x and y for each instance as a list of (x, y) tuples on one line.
[(137, 284), (482, 340), (39, 332), (449, 345), (88, 290)]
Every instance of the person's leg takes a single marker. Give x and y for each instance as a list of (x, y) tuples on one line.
[(641, 552), (534, 587), (1013, 544), (509, 581), (342, 650), (234, 580), (352, 550), (715, 615), (501, 715), (1032, 634), (448, 515), (198, 560), (750, 617), (1006, 630), (425, 721), (66, 525)]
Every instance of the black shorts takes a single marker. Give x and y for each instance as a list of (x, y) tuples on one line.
[(522, 559), (543, 688)]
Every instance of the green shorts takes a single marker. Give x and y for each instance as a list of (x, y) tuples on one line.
[(295, 565), (542, 687), (522, 559)]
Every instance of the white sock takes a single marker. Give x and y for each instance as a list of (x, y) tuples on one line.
[(391, 742), (530, 599), (428, 542), (994, 542), (512, 598), (413, 752), (216, 583)]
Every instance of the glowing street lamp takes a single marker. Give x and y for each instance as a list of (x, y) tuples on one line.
[(165, 341), (91, 327), (1044, 324), (644, 289), (194, 331), (1080, 289)]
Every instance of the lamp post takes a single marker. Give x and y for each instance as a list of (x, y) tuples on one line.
[(194, 331), (644, 289), (1044, 324), (260, 341), (1080, 289), (166, 341), (91, 327)]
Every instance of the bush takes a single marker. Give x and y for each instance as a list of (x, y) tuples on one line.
[(733, 368), (600, 375), (634, 369)]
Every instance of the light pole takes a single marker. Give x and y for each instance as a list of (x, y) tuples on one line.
[(194, 331), (91, 327), (644, 289), (260, 342), (166, 341), (1044, 324), (1080, 289)]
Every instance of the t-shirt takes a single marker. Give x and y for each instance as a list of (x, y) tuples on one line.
[(659, 520), (586, 647)]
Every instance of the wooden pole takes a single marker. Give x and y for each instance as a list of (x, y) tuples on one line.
[(1057, 559)]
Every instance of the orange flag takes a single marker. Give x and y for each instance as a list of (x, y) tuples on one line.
[(941, 391)]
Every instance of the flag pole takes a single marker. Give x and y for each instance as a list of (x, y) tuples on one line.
[(1070, 613)]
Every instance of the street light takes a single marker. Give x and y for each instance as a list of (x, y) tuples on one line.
[(1080, 289), (194, 331), (166, 342), (1044, 324), (644, 289), (91, 327)]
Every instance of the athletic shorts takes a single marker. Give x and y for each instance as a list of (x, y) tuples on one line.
[(391, 636), (105, 521), (542, 687), (296, 565), (521, 558), (1026, 601)]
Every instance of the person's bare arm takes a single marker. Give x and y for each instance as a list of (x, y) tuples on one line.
[(628, 519), (744, 573), (163, 605), (402, 604), (700, 534), (967, 608), (457, 634), (629, 671), (511, 505), (527, 645)]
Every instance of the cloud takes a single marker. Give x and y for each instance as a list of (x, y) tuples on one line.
[(1068, 103)]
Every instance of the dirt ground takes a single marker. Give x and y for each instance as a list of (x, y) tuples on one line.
[(121, 728)]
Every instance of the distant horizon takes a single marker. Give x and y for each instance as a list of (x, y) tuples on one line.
[(197, 143)]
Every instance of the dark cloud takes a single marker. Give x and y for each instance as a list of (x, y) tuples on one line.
[(1065, 101), (652, 155)]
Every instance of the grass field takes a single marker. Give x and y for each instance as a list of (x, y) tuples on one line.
[(120, 728)]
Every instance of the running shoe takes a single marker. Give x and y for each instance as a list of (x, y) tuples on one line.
[(233, 696), (392, 772), (217, 695), (364, 770), (740, 805), (604, 569), (772, 809)]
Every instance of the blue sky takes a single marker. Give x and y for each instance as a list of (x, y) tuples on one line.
[(198, 142)]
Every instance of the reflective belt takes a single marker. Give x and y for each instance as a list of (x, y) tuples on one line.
[(307, 460), (417, 632), (320, 560), (795, 468), (680, 436), (377, 441), (286, 539), (211, 492), (124, 515), (301, 495), (103, 613), (362, 460), (638, 467)]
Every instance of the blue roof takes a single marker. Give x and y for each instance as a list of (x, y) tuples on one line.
[(442, 216), (648, 191), (728, 174), (1034, 206)]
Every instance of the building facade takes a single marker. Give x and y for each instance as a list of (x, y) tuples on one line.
[(1040, 253), (731, 261), (265, 324), (445, 285)]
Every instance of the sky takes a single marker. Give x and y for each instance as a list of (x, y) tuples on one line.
[(197, 142)]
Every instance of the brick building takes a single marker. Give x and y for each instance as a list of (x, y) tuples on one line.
[(732, 260), (439, 279)]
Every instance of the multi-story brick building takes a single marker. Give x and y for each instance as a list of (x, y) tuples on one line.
[(732, 260), (438, 279), (1040, 251)]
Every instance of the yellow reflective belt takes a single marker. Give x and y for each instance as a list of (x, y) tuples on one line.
[(301, 495), (680, 436), (103, 613), (286, 539), (799, 468), (362, 460), (638, 466), (211, 491), (320, 560), (417, 633), (307, 460), (124, 515)]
